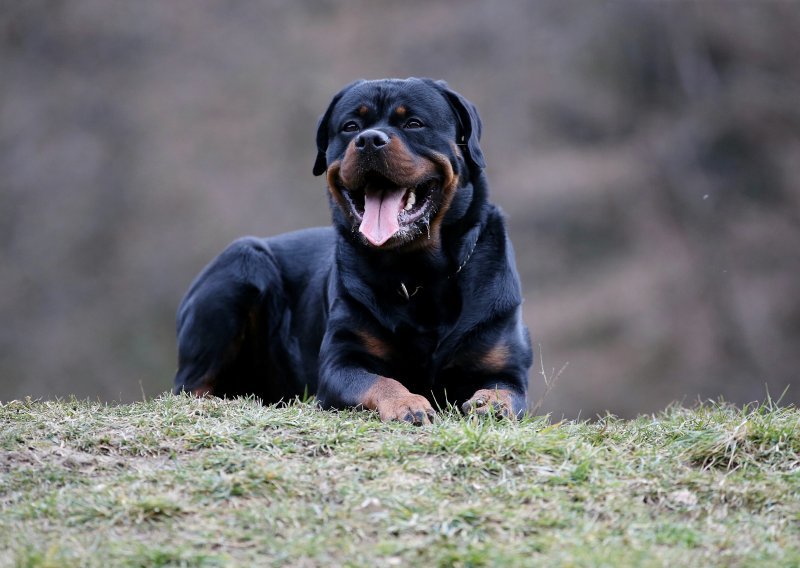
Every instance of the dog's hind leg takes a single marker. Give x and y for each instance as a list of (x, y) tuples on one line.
[(225, 322)]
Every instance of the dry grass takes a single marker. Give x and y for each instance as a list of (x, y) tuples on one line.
[(178, 481)]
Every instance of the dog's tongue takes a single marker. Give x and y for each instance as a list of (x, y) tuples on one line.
[(381, 209)]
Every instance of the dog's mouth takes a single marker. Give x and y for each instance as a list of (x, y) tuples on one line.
[(387, 211)]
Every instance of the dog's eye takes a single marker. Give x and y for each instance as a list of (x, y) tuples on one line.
[(413, 123), (350, 126)]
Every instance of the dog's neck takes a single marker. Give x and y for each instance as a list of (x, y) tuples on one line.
[(424, 273)]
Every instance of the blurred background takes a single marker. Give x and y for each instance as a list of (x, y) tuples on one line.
[(647, 155)]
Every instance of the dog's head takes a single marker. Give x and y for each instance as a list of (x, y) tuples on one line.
[(397, 152)]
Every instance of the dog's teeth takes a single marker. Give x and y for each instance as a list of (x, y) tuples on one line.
[(412, 199)]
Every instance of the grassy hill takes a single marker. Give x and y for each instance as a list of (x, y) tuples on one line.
[(180, 481)]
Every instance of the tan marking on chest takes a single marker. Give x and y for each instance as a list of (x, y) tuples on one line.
[(496, 358), (374, 345)]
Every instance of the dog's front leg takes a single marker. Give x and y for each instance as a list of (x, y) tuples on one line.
[(346, 382), (352, 387)]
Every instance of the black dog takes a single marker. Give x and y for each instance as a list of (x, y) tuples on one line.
[(411, 299)]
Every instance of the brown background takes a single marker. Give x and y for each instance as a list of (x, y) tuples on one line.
[(647, 155)]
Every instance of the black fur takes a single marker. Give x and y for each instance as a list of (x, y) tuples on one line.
[(324, 312)]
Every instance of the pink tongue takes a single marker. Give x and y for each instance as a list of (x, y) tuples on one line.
[(381, 208)]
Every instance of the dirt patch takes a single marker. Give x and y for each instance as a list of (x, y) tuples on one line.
[(67, 458)]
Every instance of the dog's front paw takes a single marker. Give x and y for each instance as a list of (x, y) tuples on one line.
[(407, 408), (393, 401), (490, 401)]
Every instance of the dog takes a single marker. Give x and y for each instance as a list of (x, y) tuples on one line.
[(409, 302)]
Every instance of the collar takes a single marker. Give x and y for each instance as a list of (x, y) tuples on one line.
[(469, 243)]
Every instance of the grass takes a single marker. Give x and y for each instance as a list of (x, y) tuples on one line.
[(178, 481)]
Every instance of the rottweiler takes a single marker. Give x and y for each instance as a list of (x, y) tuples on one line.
[(409, 302)]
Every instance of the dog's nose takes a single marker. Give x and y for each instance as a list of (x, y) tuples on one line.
[(371, 140)]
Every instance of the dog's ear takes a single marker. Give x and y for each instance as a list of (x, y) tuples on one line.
[(469, 132), (323, 131)]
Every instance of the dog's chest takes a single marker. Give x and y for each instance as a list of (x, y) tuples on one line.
[(419, 353)]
